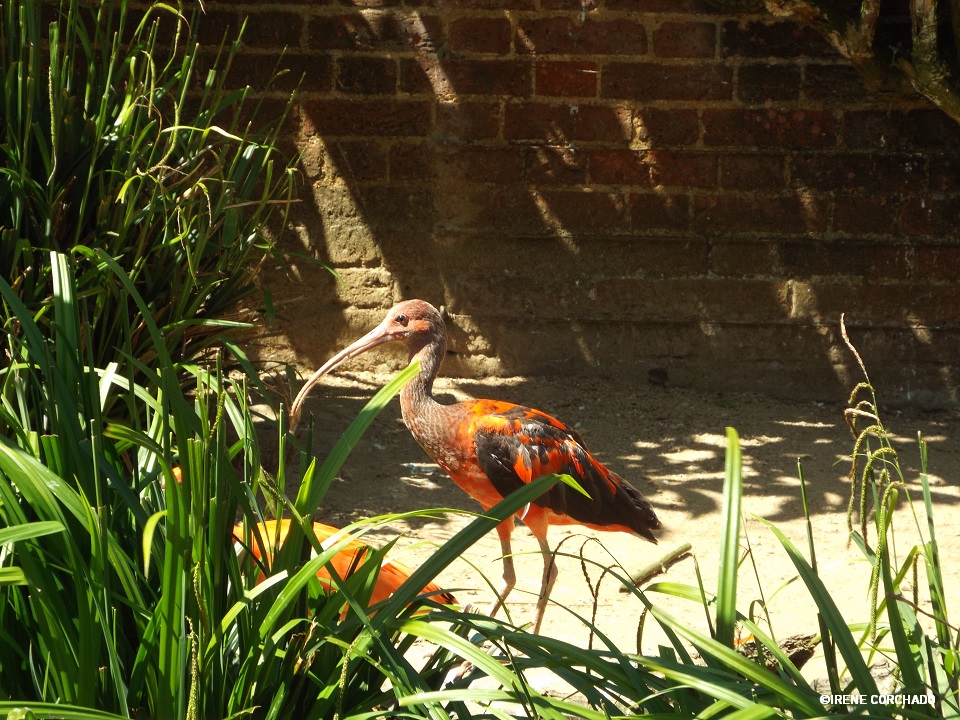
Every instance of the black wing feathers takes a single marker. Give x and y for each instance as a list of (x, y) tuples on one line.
[(519, 446)]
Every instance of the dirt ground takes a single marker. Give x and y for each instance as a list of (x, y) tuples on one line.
[(670, 444)]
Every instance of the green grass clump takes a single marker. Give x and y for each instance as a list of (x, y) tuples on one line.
[(119, 133)]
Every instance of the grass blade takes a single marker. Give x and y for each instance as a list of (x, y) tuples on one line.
[(730, 542)]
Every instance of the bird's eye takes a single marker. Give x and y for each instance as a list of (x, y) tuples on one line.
[(401, 320)]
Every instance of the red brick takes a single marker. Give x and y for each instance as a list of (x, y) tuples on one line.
[(555, 166), (780, 39), (395, 210), (468, 120), (652, 81), (682, 169), (466, 77), (659, 211), (481, 35), (265, 30), (759, 83), (796, 129), (650, 257), (685, 39), (488, 4), (668, 127), (931, 216), (578, 6), (730, 257), (371, 3), (342, 32), (865, 214), (620, 167), (375, 31), (587, 212), (511, 210), (751, 171), (412, 161), (610, 255), (368, 117), (564, 123), (566, 36), (887, 302), (781, 214), (688, 7), (367, 75), (311, 73), (839, 83), (937, 262), (420, 32), (484, 164), (944, 173), (358, 160), (893, 131), (566, 79), (845, 171), (694, 299), (805, 259), (217, 24)]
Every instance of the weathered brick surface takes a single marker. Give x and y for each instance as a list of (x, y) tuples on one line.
[(391, 118), (565, 78), (769, 128), (630, 185), (466, 120), (367, 75), (685, 40), (466, 77), (648, 81), (667, 127), (751, 171), (566, 35), (780, 39), (762, 83), (562, 124), (551, 166), (481, 34)]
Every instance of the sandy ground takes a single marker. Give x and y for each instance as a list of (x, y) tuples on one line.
[(670, 444)]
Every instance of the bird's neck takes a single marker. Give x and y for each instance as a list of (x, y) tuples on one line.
[(416, 398), (432, 424)]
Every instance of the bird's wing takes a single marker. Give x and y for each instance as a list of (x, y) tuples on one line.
[(515, 445)]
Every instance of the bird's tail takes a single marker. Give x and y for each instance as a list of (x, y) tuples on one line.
[(643, 518)]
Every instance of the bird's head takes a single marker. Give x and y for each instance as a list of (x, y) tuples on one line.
[(415, 323)]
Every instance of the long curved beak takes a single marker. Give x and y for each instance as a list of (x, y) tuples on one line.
[(378, 336)]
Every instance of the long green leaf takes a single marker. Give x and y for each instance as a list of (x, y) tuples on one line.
[(730, 542), (29, 530), (800, 699), (54, 711), (833, 620), (310, 495)]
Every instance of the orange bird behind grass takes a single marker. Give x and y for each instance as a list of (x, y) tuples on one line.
[(392, 573)]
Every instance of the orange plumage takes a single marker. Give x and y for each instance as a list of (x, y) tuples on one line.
[(392, 573)]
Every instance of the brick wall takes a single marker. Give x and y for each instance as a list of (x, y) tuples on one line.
[(639, 188)]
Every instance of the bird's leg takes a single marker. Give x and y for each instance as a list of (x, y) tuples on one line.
[(546, 584), (504, 530)]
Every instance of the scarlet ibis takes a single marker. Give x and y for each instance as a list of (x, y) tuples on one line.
[(392, 573), (491, 448)]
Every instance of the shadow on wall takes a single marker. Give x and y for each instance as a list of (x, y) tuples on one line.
[(626, 194)]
